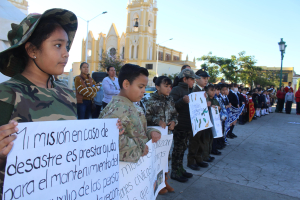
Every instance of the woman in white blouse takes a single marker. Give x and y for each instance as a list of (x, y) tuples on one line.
[(110, 86)]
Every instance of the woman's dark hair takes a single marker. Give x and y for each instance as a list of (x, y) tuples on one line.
[(81, 64), (41, 33), (107, 69), (162, 79), (130, 72)]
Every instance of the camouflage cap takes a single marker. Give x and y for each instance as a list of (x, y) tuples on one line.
[(188, 73), (20, 33)]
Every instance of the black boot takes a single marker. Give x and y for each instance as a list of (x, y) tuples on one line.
[(178, 176)]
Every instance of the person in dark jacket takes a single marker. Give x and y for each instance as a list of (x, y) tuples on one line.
[(259, 103), (183, 129), (176, 79), (235, 102), (200, 143), (243, 100)]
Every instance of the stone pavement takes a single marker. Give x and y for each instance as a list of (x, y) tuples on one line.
[(263, 162)]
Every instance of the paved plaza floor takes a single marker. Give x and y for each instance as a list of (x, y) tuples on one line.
[(263, 162)]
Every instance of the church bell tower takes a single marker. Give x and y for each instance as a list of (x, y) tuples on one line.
[(141, 31)]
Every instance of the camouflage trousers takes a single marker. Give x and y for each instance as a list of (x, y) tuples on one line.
[(180, 138)]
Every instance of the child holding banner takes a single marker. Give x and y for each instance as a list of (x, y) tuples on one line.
[(212, 143), (133, 80), (39, 49), (197, 151), (183, 130), (160, 111), (235, 102), (223, 114)]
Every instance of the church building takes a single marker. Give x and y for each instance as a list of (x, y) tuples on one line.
[(137, 46)]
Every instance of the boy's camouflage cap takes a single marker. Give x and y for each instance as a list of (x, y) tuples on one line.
[(20, 33), (188, 73)]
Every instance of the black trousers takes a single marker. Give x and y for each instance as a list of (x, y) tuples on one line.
[(298, 107), (280, 104), (288, 107)]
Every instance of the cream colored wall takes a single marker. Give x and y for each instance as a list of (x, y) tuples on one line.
[(112, 42)]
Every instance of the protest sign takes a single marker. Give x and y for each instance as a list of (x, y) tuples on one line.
[(163, 131), (64, 160), (199, 114), (216, 120), (144, 179)]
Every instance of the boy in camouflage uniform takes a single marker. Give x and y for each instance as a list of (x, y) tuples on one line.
[(132, 144)]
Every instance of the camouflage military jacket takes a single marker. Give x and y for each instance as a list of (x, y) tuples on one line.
[(32, 103), (132, 142), (159, 107)]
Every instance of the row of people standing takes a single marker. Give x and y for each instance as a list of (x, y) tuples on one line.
[(88, 92), (286, 98)]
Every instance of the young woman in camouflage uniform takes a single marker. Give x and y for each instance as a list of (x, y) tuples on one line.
[(160, 111), (39, 49)]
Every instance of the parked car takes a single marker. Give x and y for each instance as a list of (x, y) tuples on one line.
[(150, 89)]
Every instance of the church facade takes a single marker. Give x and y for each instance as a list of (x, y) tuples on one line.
[(137, 46)]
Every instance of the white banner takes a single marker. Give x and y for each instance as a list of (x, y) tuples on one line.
[(199, 113), (144, 179), (64, 160), (163, 131), (217, 124)]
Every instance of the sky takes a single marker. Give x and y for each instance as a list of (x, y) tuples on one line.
[(198, 27)]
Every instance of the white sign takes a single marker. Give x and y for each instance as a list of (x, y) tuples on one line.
[(199, 113), (144, 179), (216, 120), (163, 131), (64, 160)]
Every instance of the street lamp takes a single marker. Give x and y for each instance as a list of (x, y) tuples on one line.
[(157, 55), (87, 32), (282, 47)]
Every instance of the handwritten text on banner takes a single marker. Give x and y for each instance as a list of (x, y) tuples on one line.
[(64, 160)]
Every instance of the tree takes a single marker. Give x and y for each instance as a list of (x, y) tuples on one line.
[(227, 66), (171, 76), (110, 60)]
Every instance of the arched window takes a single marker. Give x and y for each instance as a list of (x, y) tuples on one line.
[(123, 52), (137, 52), (132, 51), (112, 52)]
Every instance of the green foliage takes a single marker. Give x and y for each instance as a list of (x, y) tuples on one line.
[(108, 60), (226, 66)]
